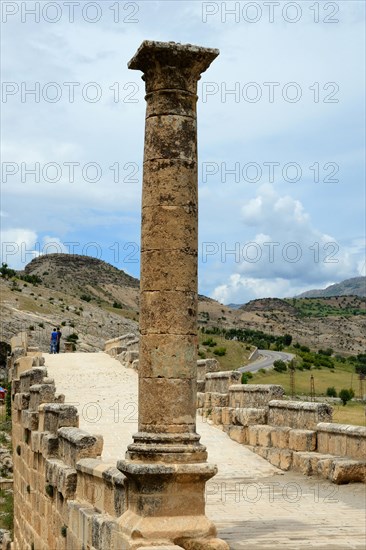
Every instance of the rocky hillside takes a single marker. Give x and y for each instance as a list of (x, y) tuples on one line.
[(96, 301), (83, 276), (338, 323), (355, 286)]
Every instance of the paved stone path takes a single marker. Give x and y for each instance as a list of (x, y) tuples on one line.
[(253, 504)]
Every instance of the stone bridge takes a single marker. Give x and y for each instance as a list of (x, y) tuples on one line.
[(74, 415)]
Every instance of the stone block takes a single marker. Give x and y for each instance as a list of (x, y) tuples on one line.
[(264, 435), (250, 416), (347, 471), (40, 393), (280, 437), (62, 477), (307, 463), (220, 382), (342, 440), (298, 415), (165, 401), (57, 416), (75, 444), (254, 395), (219, 400), (30, 377), (259, 435), (21, 401), (239, 434), (227, 416), (302, 440), (29, 420), (162, 312), (159, 275), (216, 415), (168, 355)]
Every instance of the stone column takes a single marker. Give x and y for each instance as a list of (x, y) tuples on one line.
[(166, 464)]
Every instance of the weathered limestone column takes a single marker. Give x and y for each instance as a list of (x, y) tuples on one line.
[(166, 464)]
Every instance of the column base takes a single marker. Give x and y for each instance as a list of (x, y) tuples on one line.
[(166, 506), (166, 447)]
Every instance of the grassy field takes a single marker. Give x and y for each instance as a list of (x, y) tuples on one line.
[(342, 376), (236, 355), (353, 413)]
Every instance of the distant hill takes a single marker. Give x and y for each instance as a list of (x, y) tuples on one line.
[(97, 301), (355, 287), (268, 304), (85, 276)]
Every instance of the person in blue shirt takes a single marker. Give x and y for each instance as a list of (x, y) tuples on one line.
[(53, 341), (59, 334)]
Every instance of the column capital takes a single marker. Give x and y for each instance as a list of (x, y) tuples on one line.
[(170, 65)]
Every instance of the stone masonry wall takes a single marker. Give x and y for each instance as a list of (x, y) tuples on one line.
[(291, 435), (65, 497)]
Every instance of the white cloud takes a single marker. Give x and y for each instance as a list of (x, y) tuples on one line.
[(287, 255), (19, 246)]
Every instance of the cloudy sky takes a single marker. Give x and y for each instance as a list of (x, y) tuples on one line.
[(280, 127)]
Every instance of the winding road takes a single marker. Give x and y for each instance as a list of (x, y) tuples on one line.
[(266, 360)]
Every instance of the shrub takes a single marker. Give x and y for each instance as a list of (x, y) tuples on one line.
[(219, 351), (345, 396), (41, 325), (72, 337), (202, 354), (262, 371), (331, 392), (117, 305), (86, 297), (209, 342), (279, 365), (244, 378)]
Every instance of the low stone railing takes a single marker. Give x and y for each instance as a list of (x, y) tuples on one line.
[(253, 395), (65, 496), (289, 434), (342, 439), (220, 382), (295, 414)]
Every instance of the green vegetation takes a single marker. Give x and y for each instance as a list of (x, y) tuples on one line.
[(220, 352), (117, 305), (85, 297), (209, 342), (6, 510), (323, 307), (245, 377), (236, 355), (345, 395), (280, 366), (6, 272), (331, 392), (256, 338)]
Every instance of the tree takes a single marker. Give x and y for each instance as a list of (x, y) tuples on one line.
[(279, 365), (6, 272), (331, 392), (287, 339), (345, 396)]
